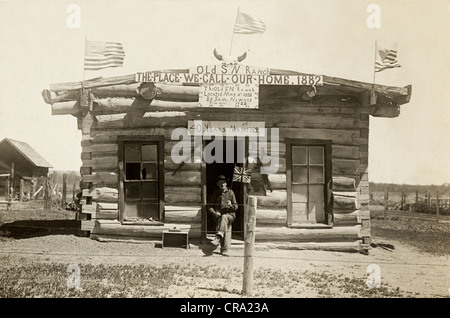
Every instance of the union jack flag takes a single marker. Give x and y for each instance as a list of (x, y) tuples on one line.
[(241, 174)]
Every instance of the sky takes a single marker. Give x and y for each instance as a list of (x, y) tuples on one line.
[(42, 43)]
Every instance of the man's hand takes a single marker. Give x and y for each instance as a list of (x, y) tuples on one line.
[(229, 204)]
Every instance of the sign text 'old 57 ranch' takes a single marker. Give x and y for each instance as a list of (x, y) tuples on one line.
[(228, 85)]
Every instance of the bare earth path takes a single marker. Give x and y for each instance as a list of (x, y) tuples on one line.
[(416, 273)]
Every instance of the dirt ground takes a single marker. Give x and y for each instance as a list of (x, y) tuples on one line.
[(408, 269), (414, 272)]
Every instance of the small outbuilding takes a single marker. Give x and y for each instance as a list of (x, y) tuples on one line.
[(20, 168)]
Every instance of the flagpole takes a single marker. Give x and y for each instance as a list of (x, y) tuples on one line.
[(232, 35), (374, 62), (84, 59), (374, 68)]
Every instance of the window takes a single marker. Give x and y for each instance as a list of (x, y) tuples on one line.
[(142, 182), (308, 177)]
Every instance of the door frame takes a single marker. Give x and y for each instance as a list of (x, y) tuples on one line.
[(328, 174), (159, 140), (204, 193)]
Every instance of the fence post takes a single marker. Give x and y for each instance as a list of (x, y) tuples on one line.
[(249, 241), (386, 197), (22, 189), (437, 203), (64, 191)]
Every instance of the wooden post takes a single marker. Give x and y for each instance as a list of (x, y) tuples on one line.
[(8, 194), (6, 188), (21, 196), (74, 189), (46, 193), (386, 197), (249, 242), (417, 198), (437, 203), (403, 200), (12, 180), (64, 191)]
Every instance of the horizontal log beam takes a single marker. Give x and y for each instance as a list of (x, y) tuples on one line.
[(182, 178), (182, 195), (66, 108), (271, 216), (336, 234), (51, 97), (320, 246), (103, 194), (143, 231), (344, 203), (276, 199), (182, 214), (384, 111)]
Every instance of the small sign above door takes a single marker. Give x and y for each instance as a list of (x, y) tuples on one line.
[(227, 128)]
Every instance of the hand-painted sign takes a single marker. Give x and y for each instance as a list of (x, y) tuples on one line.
[(180, 78), (228, 85), (229, 95), (229, 74), (227, 128)]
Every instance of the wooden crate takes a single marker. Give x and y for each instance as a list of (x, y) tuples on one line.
[(175, 239)]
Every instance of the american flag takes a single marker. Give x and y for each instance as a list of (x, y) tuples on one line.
[(99, 55), (241, 174), (385, 58), (245, 24)]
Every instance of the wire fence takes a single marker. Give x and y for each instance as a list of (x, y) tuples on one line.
[(431, 203)]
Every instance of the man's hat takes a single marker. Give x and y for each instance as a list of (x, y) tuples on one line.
[(221, 177)]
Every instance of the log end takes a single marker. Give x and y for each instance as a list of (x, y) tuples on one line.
[(147, 90)]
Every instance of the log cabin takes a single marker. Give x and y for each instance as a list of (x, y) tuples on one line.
[(154, 142)]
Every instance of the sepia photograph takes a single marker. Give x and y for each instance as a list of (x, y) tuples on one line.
[(223, 154)]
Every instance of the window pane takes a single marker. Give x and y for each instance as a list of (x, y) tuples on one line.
[(132, 209), (316, 155), (132, 171), (316, 174), (149, 153), (316, 193), (316, 208), (300, 174), (150, 190), (150, 210), (132, 152), (299, 155), (299, 193), (299, 208), (149, 171), (132, 190), (299, 213)]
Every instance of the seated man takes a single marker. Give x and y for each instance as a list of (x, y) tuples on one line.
[(222, 207)]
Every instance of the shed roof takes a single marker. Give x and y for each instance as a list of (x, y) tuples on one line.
[(22, 147)]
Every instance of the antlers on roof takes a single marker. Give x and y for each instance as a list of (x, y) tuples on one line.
[(231, 59)]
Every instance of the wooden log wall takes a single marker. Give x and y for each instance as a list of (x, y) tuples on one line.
[(119, 111)]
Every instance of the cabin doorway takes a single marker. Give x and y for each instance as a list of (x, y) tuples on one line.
[(229, 154)]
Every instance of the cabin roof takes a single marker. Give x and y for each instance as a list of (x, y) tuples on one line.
[(28, 152), (373, 94)]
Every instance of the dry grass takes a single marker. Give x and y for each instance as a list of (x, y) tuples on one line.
[(428, 235), (121, 281)]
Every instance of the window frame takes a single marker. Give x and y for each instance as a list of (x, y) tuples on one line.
[(326, 144), (157, 140)]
